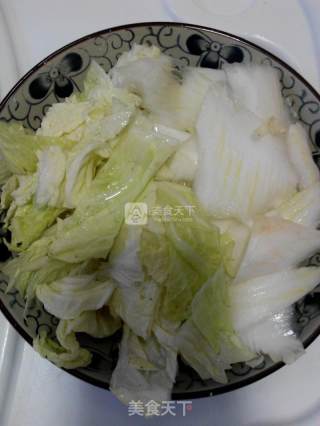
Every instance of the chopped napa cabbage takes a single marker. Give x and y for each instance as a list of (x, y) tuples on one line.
[(300, 156), (109, 126), (17, 200), (191, 93), (257, 88), (182, 166), (177, 277), (262, 312), (97, 87), (68, 297), (138, 51), (232, 199), (239, 176), (89, 154), (137, 297), (270, 127), (145, 370), (13, 268), (277, 244), (256, 299), (180, 106), (170, 101), (95, 117), (217, 76), (212, 300), (136, 305), (166, 332), (19, 147), (237, 236), (173, 133), (275, 336), (63, 118), (97, 114), (90, 231), (303, 208), (179, 255), (154, 254), (131, 75), (6, 191), (33, 267), (99, 323), (104, 125), (181, 284), (190, 232), (183, 251), (204, 359), (50, 175), (80, 171), (25, 189), (99, 90), (28, 224), (65, 353), (212, 316), (124, 261), (5, 172)]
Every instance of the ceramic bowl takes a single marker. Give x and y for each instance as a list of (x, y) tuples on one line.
[(62, 73)]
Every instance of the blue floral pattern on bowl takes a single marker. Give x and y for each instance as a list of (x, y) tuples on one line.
[(62, 74)]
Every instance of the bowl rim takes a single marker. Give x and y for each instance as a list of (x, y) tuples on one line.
[(11, 319)]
